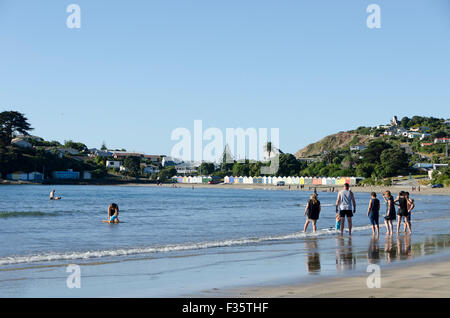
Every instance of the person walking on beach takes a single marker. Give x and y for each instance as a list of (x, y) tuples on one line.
[(373, 213), (390, 211), (312, 210), (113, 213), (344, 202), (411, 206), (402, 211)]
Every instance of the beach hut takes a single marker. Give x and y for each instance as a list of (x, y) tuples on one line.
[(269, 180), (316, 181), (353, 181), (260, 180), (308, 180), (236, 180), (289, 180), (226, 179), (231, 180), (329, 181), (333, 181), (296, 180), (241, 180), (324, 181), (302, 180), (250, 180)]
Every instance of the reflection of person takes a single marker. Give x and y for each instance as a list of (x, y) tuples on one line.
[(313, 257), (113, 213), (344, 254), (345, 201), (373, 213), (312, 210), (373, 254)]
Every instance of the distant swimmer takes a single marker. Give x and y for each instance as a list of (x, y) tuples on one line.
[(52, 195), (113, 213)]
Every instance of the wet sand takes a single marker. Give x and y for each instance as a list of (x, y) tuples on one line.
[(424, 280)]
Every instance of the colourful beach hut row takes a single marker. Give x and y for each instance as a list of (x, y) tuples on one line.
[(293, 180), (191, 179)]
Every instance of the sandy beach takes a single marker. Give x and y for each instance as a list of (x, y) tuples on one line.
[(423, 280)]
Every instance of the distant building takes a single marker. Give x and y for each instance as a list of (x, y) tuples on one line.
[(21, 143), (94, 152), (423, 144), (394, 121), (123, 154), (441, 140), (153, 158), (66, 175), (168, 161), (23, 176), (150, 169), (357, 147), (113, 164), (68, 150), (87, 175)]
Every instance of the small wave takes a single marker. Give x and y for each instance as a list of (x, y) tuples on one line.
[(51, 257), (19, 214)]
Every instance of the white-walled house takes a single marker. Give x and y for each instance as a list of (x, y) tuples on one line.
[(112, 164)]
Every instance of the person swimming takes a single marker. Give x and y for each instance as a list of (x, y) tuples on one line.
[(113, 213), (52, 195)]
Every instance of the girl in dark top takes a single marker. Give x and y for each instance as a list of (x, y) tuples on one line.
[(390, 211), (312, 210), (373, 213), (113, 213), (402, 212)]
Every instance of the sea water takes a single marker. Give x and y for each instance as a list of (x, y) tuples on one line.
[(232, 236)]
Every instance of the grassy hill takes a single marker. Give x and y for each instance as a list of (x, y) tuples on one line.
[(337, 141)]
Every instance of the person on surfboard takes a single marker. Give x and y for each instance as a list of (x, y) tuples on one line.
[(113, 213)]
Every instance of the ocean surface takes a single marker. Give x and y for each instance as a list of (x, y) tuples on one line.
[(186, 240)]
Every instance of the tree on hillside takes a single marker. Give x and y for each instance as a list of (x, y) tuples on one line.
[(75, 145), (373, 151), (10, 122), (288, 165), (206, 168), (133, 166), (393, 162)]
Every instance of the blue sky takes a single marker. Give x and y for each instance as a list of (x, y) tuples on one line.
[(136, 70)]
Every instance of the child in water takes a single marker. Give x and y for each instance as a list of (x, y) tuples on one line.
[(113, 213), (338, 222)]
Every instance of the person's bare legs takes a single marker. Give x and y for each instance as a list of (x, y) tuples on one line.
[(349, 226), (373, 230), (399, 222), (306, 225), (388, 228), (314, 225), (342, 224)]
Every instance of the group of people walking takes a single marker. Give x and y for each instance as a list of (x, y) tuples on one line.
[(346, 208)]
